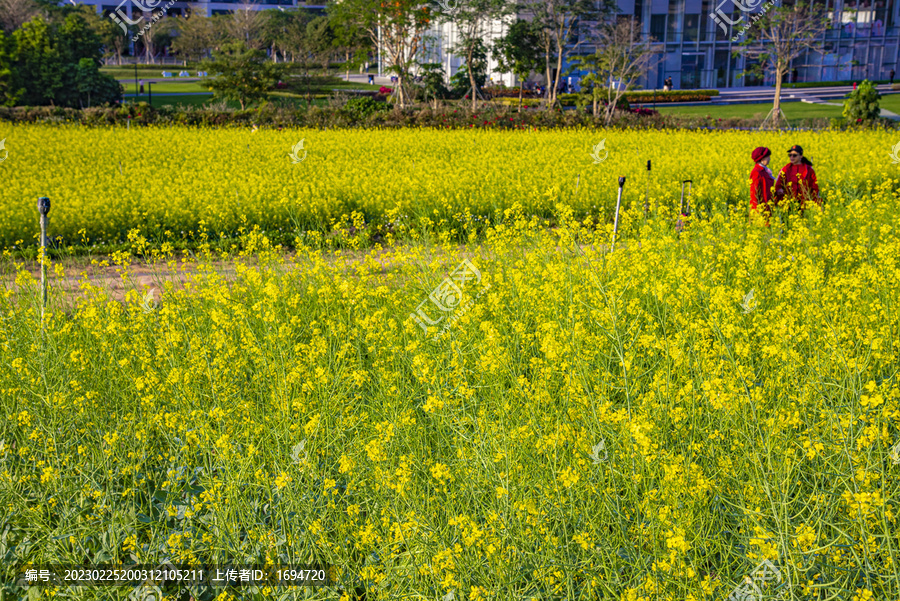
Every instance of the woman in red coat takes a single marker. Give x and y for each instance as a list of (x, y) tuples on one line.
[(761, 182), (797, 180)]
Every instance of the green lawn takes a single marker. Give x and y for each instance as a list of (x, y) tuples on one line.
[(793, 110), (146, 71), (165, 87), (164, 99), (891, 102)]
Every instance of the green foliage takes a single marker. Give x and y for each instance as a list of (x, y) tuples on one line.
[(241, 75), (518, 51), (58, 63), (361, 108), (862, 103), (8, 94), (459, 83), (433, 87)]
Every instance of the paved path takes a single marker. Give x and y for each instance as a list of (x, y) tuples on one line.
[(884, 112)]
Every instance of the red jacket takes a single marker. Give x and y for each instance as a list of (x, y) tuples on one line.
[(761, 182), (798, 181)]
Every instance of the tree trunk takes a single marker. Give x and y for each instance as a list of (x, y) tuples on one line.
[(559, 50), (521, 93), (347, 65), (547, 79), (471, 75), (776, 107)]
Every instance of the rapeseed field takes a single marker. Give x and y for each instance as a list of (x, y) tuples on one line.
[(526, 415), (174, 183)]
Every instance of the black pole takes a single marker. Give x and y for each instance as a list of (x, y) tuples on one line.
[(135, 73), (150, 92)]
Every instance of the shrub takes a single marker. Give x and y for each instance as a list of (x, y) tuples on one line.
[(361, 108), (861, 104)]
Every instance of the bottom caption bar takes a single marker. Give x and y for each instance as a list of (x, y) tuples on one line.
[(124, 575)]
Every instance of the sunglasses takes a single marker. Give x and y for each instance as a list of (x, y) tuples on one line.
[(793, 154)]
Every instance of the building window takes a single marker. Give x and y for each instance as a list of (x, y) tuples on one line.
[(691, 27), (658, 28)]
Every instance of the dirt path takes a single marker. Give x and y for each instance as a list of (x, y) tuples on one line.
[(145, 276)]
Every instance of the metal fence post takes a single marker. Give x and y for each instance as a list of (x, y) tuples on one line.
[(43, 208), (618, 206)]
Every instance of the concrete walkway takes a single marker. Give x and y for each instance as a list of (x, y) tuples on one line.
[(884, 112)]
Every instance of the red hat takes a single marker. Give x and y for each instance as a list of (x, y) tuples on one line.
[(760, 153)]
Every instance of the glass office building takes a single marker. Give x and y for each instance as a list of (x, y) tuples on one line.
[(698, 40)]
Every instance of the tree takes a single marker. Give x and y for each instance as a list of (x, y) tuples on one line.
[(115, 41), (433, 83), (779, 36), (37, 69), (91, 84), (518, 52), (156, 37), (301, 48), (562, 25), (620, 59), (473, 73), (274, 31), (246, 25), (352, 41), (398, 26), (862, 103), (8, 94), (470, 17), (195, 36), (320, 39), (58, 63), (241, 74), (15, 13)]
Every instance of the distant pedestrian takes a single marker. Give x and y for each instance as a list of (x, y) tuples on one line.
[(797, 180), (761, 182), (892, 77), (141, 83), (854, 85)]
